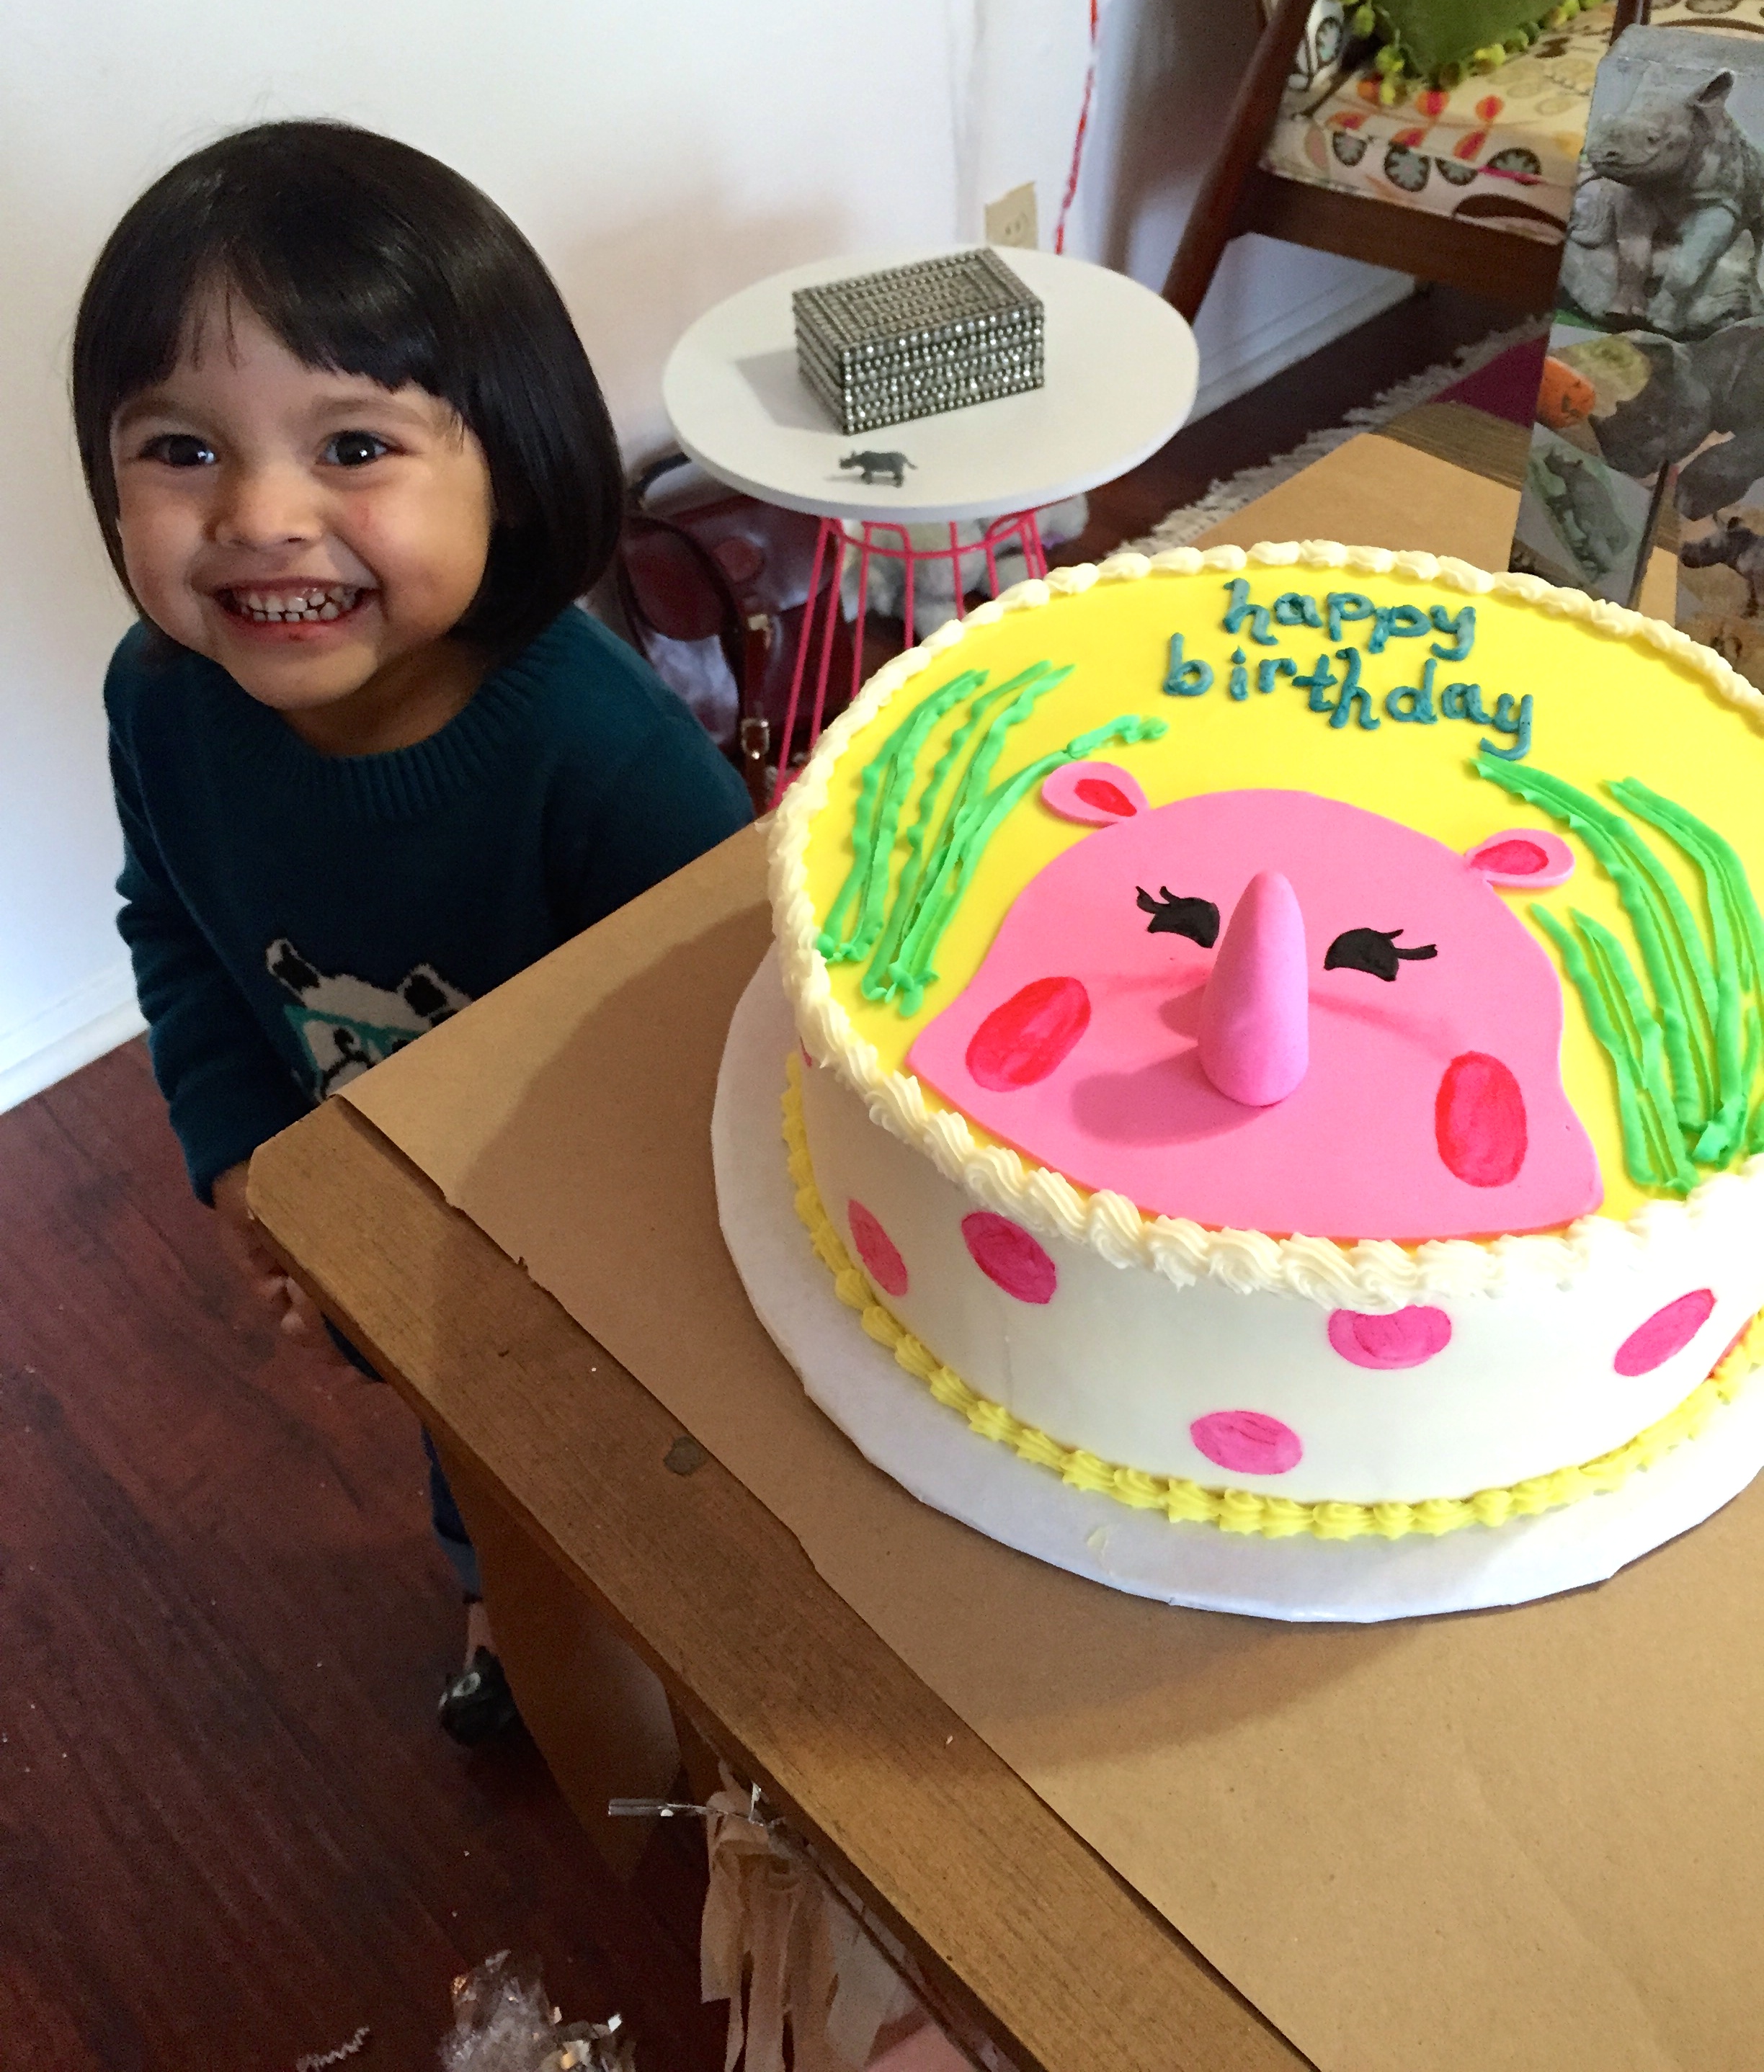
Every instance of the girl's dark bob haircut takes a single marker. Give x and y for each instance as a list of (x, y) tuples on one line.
[(365, 256)]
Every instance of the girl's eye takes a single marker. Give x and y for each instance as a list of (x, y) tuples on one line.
[(354, 449), (179, 450)]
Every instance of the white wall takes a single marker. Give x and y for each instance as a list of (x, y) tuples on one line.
[(659, 156), (1164, 90)]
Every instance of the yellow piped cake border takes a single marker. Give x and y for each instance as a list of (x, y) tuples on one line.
[(1238, 1510)]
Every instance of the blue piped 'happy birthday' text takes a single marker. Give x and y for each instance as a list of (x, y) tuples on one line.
[(1344, 698)]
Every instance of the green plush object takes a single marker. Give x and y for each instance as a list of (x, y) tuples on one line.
[(1435, 42)]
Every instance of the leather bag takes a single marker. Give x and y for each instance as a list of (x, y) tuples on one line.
[(715, 594)]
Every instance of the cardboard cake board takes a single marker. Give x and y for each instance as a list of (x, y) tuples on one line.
[(1530, 1838)]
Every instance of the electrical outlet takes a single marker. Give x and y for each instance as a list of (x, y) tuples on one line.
[(1011, 219)]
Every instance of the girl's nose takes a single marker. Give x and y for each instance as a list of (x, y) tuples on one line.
[(270, 505), (1254, 1018)]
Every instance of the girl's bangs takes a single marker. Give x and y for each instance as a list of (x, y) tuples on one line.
[(364, 257)]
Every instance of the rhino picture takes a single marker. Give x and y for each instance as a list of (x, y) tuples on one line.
[(1683, 397), (1664, 233), (1585, 512)]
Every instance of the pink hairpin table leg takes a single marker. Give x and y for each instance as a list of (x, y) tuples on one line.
[(821, 616)]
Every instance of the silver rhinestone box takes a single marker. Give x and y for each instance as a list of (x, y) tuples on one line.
[(914, 340)]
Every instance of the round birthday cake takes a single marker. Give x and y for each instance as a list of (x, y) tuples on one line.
[(1282, 1033)]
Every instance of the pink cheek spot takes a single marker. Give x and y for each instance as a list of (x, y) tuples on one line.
[(807, 1060), (1096, 794), (1524, 857), (1513, 859), (1667, 1331), (1010, 1257), (880, 1255), (1029, 1036), (1479, 1121), (1105, 797), (1245, 1442), (1407, 1338)]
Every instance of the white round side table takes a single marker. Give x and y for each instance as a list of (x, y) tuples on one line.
[(1120, 375)]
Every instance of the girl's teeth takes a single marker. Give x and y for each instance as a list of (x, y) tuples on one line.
[(271, 607)]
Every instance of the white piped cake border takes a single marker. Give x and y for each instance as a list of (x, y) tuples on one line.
[(1373, 1275)]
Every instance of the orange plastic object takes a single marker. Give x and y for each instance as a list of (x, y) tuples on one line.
[(1563, 397)]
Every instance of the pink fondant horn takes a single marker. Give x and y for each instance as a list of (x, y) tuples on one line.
[(1255, 1021)]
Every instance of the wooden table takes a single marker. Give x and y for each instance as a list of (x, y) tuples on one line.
[(590, 1505)]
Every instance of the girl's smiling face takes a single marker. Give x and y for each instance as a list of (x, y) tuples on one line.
[(316, 535)]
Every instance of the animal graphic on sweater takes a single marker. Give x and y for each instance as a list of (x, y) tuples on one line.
[(1664, 229), (1273, 1011), (344, 1024)]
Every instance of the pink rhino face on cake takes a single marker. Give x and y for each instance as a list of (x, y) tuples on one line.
[(1266, 1010)]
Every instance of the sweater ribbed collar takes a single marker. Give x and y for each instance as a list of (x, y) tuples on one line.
[(398, 783)]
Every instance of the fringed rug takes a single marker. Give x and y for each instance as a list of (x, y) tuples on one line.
[(1471, 376)]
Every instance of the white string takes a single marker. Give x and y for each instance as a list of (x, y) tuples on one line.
[(316, 2060)]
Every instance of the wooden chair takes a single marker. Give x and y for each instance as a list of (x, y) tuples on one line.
[(1239, 194)]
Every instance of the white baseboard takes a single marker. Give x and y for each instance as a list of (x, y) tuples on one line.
[(1245, 363), (83, 1025)]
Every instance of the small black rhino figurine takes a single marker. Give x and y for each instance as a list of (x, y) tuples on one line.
[(876, 466)]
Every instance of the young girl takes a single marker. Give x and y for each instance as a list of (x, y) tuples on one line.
[(353, 468)]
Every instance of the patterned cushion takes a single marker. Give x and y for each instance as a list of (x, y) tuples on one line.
[(1317, 63), (1500, 149)]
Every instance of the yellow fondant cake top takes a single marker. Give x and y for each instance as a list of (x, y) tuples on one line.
[(1425, 694)]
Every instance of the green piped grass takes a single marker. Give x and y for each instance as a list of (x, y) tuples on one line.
[(903, 888), (1686, 1046)]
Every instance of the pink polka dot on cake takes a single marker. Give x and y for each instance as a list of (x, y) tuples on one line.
[(879, 1253), (1667, 1332), (1247, 1442), (1010, 1257), (1405, 1337)]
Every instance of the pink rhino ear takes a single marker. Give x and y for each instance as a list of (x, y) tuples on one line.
[(1099, 794), (1524, 857)]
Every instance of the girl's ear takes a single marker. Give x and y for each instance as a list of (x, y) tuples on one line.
[(1098, 794), (1522, 857)]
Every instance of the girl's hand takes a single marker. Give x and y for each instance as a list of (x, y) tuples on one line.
[(263, 1274)]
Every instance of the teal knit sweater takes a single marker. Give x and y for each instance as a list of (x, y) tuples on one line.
[(294, 917)]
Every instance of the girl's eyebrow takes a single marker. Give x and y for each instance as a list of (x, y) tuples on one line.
[(422, 408), (344, 401), (148, 403)]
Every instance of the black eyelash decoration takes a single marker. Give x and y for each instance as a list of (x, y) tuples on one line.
[(1196, 918), (1374, 950)]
